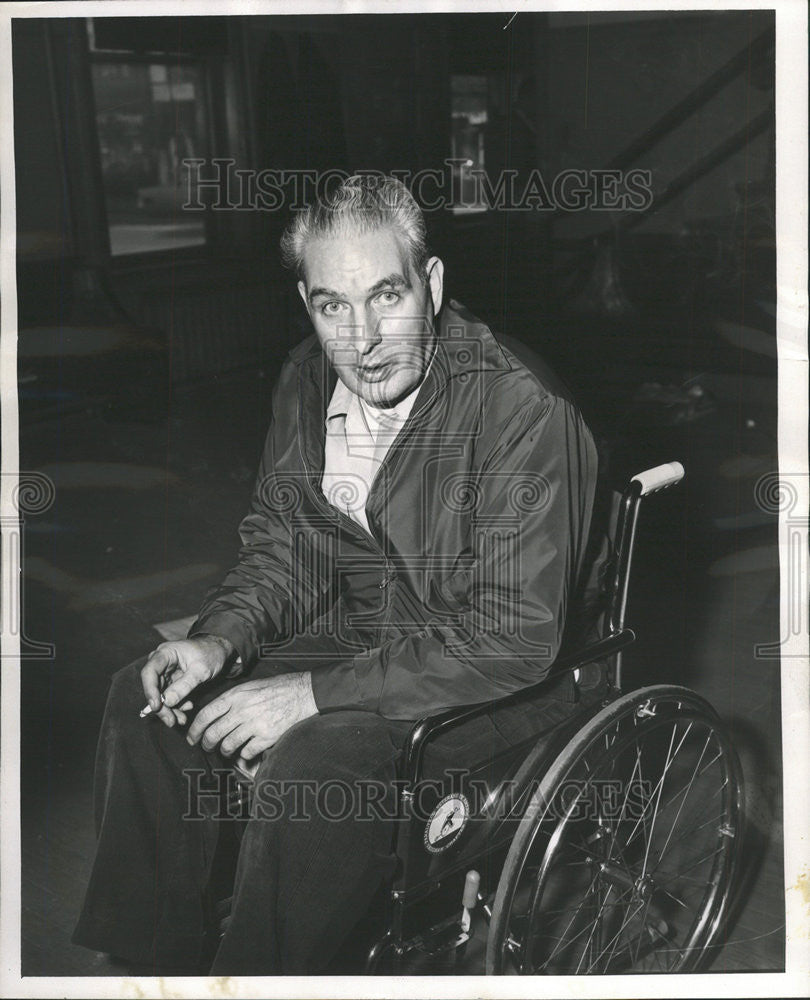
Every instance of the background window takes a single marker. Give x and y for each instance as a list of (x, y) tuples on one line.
[(469, 122), (150, 116)]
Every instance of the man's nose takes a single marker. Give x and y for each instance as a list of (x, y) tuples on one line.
[(367, 336)]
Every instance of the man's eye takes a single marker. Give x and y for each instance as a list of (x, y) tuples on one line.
[(388, 298), (332, 308)]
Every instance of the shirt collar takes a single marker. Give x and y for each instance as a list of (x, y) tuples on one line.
[(340, 401)]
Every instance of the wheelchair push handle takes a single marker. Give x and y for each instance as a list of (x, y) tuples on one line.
[(659, 478)]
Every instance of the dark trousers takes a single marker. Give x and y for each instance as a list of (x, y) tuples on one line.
[(308, 867)]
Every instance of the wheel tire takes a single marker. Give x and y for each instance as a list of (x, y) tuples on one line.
[(626, 856)]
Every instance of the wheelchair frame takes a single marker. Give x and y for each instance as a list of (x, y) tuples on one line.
[(625, 713)]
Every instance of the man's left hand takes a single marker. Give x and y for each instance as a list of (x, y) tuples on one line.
[(252, 716)]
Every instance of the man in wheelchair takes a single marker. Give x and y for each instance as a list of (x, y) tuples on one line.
[(414, 542)]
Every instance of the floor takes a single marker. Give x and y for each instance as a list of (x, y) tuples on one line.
[(144, 522)]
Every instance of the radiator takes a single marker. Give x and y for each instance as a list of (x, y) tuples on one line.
[(211, 330)]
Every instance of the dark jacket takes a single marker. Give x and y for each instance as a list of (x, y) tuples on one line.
[(480, 515)]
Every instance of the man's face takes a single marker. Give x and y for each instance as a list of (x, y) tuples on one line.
[(372, 314)]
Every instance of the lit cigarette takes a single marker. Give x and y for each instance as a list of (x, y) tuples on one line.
[(147, 710)]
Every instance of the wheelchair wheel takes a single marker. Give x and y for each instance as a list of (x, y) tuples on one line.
[(626, 856)]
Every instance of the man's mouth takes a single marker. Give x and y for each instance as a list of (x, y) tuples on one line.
[(373, 373)]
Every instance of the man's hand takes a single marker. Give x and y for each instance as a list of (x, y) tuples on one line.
[(186, 663), (252, 716)]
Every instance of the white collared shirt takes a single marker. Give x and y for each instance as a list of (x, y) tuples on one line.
[(358, 437)]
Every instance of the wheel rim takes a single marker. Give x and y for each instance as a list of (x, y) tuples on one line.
[(626, 865)]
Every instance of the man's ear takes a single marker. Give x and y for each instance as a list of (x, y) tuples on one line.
[(302, 291), (435, 273)]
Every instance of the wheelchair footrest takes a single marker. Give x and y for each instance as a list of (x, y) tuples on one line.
[(440, 938)]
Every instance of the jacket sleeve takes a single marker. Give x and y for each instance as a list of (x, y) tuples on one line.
[(533, 489), (269, 593)]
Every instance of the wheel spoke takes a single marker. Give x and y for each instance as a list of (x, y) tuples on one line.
[(681, 791), (641, 784), (683, 800), (559, 912), (671, 895), (593, 928), (636, 767), (658, 798), (615, 937), (574, 916), (684, 873), (659, 784), (696, 829), (617, 903), (640, 933)]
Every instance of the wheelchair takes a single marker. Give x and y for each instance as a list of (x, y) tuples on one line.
[(611, 845)]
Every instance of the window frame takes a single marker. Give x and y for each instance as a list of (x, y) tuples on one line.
[(207, 64)]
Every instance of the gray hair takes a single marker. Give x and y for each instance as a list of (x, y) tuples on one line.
[(361, 204)]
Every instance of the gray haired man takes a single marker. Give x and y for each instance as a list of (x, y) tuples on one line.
[(371, 590)]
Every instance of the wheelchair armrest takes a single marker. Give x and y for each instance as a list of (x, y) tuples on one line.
[(430, 726)]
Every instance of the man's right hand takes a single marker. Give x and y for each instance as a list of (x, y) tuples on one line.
[(187, 663)]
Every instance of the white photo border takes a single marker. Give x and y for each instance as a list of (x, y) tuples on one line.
[(792, 314)]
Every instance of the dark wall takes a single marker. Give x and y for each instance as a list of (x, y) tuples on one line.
[(44, 232), (360, 92), (609, 82)]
